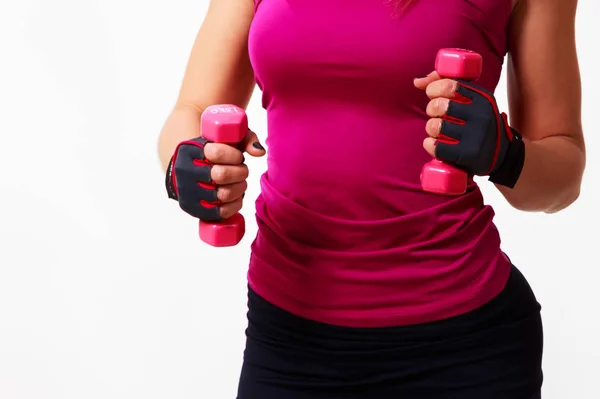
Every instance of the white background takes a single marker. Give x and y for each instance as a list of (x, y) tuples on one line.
[(105, 290)]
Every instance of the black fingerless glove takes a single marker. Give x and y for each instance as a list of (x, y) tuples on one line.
[(476, 137), (188, 181)]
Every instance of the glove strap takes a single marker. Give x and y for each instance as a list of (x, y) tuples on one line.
[(509, 172), (170, 187)]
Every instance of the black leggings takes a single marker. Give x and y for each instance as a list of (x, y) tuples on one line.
[(494, 352)]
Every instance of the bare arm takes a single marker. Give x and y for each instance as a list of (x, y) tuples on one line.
[(544, 90), (218, 72)]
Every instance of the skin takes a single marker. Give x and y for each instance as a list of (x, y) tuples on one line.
[(542, 52), (216, 74), (548, 115)]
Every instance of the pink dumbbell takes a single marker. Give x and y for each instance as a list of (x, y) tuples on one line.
[(226, 124), (439, 177)]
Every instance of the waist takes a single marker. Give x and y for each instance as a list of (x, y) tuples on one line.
[(515, 302), (411, 268), (352, 164)]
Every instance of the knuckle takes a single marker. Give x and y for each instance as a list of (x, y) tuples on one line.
[(440, 105), (428, 126), (231, 192), (429, 145), (449, 86), (225, 212), (430, 90), (220, 173), (433, 126), (238, 173), (431, 108), (216, 153), (230, 209), (208, 150), (224, 194)]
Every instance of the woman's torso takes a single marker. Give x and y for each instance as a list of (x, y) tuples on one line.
[(346, 235)]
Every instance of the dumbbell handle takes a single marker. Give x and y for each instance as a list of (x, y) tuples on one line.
[(227, 124), (437, 176)]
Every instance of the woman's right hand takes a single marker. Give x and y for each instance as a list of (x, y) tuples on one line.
[(218, 72), (209, 179)]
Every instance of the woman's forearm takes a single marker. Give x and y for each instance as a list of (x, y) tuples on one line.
[(218, 72), (183, 124), (551, 176)]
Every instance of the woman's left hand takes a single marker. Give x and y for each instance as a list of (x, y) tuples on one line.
[(466, 128)]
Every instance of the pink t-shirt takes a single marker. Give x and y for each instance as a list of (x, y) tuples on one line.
[(346, 234)]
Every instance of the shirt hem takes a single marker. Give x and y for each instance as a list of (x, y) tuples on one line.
[(372, 318)]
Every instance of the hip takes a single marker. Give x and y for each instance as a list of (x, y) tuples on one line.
[(493, 351)]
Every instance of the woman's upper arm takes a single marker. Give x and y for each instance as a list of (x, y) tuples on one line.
[(544, 85), (218, 69)]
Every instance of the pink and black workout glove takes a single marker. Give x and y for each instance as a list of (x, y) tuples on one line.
[(188, 181), (476, 137)]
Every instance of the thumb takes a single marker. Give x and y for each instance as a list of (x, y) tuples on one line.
[(423, 82), (252, 145)]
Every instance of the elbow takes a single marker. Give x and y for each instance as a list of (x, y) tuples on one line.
[(549, 203), (524, 204), (557, 187), (570, 192), (547, 198), (568, 199)]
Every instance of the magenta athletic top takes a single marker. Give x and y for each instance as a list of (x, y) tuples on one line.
[(346, 234)]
